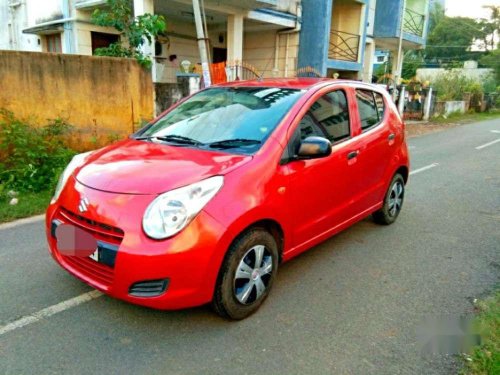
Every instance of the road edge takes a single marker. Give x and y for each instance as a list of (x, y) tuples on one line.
[(26, 220)]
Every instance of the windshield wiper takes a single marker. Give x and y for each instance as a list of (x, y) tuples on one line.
[(231, 143), (179, 139)]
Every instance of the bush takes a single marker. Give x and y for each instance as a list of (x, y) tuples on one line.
[(453, 85), (31, 158)]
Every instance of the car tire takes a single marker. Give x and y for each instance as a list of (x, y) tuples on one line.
[(393, 202), (243, 283)]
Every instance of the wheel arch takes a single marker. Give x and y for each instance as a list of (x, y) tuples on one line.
[(403, 171)]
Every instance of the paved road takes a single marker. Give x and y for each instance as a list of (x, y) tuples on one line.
[(351, 305)]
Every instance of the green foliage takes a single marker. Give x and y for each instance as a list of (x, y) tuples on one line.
[(412, 61), (29, 204), (492, 60), (485, 359), (489, 28), (451, 39), (453, 85), (31, 158), (135, 31)]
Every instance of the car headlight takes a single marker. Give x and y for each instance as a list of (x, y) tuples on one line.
[(77, 161), (172, 211)]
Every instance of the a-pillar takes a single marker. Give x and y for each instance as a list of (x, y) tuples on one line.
[(148, 49)]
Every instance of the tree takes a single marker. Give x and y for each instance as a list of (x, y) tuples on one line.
[(492, 60), (134, 31), (412, 61), (436, 14), (452, 38), (490, 28)]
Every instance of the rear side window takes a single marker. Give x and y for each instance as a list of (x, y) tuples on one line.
[(368, 109)]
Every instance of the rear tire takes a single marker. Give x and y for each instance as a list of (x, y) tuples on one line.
[(393, 202), (247, 275)]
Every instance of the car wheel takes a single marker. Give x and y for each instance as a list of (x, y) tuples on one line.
[(246, 275), (393, 202)]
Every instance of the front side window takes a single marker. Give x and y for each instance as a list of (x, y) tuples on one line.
[(368, 109), (233, 118), (328, 117)]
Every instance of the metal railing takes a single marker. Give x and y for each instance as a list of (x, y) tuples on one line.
[(343, 46), (414, 22)]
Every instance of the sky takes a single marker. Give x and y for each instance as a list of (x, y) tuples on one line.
[(469, 8)]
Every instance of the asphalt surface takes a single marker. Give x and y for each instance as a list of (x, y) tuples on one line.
[(351, 305)]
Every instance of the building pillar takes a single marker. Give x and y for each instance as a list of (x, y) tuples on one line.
[(67, 42), (427, 105), (148, 49), (315, 34), (368, 61), (235, 38)]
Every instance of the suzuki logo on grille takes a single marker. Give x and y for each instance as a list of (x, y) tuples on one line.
[(84, 205)]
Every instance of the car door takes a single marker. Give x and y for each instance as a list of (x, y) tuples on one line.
[(374, 146), (319, 189)]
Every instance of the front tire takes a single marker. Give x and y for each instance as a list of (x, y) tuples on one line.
[(393, 202), (247, 275)]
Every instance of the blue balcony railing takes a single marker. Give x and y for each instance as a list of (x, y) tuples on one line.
[(414, 22), (343, 46)]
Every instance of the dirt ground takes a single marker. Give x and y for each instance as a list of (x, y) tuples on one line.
[(414, 129)]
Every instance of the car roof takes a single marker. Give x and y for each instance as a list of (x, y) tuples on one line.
[(293, 83)]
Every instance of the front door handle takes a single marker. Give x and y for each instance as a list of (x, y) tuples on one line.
[(352, 155), (391, 137)]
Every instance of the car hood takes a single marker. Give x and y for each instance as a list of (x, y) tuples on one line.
[(139, 167)]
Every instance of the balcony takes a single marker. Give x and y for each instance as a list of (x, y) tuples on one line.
[(413, 22), (88, 4), (344, 46)]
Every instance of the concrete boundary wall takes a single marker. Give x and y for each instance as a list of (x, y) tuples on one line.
[(100, 95)]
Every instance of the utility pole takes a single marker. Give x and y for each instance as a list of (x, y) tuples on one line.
[(202, 43), (399, 62)]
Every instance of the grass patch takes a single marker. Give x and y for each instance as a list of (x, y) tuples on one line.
[(485, 359), (463, 118), (29, 204)]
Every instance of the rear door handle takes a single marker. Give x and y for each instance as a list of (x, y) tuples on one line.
[(352, 155), (391, 137)]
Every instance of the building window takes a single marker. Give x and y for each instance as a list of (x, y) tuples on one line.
[(102, 40), (54, 43), (380, 59)]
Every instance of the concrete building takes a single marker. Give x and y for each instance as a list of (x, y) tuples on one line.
[(400, 25), (334, 36), (261, 33)]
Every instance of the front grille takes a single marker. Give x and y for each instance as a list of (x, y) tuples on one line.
[(99, 230), (150, 288), (91, 269), (108, 238)]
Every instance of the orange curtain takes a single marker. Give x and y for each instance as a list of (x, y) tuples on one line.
[(218, 72)]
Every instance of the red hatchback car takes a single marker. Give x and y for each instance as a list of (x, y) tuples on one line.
[(205, 202)]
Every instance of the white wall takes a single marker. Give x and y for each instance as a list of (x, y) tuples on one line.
[(429, 74), (11, 35), (259, 51)]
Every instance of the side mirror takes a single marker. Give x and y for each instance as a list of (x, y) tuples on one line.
[(314, 148)]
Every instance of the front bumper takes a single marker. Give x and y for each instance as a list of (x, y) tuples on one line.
[(190, 260)]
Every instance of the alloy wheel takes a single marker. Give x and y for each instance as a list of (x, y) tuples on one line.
[(253, 275), (396, 198)]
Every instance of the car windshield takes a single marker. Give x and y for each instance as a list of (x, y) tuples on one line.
[(238, 119)]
